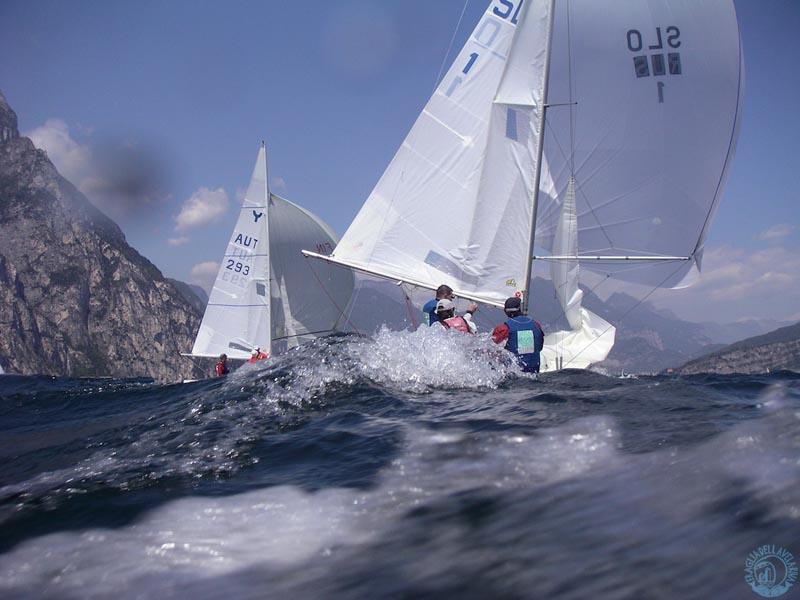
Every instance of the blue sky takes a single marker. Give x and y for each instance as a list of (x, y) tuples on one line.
[(186, 91)]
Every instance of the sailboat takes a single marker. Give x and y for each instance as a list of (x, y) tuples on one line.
[(265, 294), (594, 136)]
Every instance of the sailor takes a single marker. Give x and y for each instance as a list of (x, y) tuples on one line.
[(443, 292), (221, 368), (256, 355), (446, 315), (522, 335)]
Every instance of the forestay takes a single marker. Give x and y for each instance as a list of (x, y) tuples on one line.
[(455, 204)]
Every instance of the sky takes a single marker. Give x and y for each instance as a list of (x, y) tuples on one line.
[(156, 110)]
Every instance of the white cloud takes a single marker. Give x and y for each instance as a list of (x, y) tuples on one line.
[(737, 283), (205, 206), (203, 274), (72, 159), (178, 241), (776, 232)]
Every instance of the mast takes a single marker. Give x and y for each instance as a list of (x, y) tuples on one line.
[(268, 274), (538, 172)]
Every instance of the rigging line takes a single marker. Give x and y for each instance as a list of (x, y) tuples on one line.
[(409, 307), (324, 289), (450, 47), (578, 188), (626, 313), (571, 99)]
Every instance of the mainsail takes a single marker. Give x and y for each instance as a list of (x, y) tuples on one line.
[(592, 129), (454, 205), (266, 294)]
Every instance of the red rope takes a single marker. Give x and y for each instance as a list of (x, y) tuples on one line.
[(324, 289)]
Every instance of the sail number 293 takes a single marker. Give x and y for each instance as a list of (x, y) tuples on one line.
[(233, 265)]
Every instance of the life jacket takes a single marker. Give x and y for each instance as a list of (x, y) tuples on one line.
[(258, 357), (458, 323), (221, 369), (525, 341), (429, 312)]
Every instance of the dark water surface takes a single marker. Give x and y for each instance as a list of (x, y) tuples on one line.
[(403, 466)]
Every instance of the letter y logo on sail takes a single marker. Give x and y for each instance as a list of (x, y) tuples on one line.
[(257, 216)]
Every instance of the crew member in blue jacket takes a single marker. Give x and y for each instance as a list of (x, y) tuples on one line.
[(522, 335), (443, 292)]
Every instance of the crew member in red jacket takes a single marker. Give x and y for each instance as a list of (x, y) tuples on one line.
[(256, 355), (221, 368)]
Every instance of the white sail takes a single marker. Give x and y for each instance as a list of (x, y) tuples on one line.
[(641, 115), (590, 337), (657, 88), (454, 205), (266, 293), (238, 313), (309, 298)]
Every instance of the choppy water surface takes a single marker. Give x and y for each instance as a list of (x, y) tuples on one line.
[(406, 465)]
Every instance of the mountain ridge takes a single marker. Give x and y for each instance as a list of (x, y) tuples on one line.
[(772, 351), (75, 298)]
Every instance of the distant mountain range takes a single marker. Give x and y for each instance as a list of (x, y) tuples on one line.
[(75, 298), (776, 350)]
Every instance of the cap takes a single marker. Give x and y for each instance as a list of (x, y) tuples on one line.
[(513, 304), (255, 350), (444, 304)]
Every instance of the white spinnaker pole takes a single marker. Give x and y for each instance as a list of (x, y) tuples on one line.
[(539, 152)]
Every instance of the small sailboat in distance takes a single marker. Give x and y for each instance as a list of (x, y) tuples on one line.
[(266, 294), (596, 136)]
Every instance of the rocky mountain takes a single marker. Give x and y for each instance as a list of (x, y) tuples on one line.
[(75, 298), (776, 350), (193, 294)]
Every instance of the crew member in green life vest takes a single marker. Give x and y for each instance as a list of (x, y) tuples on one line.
[(522, 335), (443, 292), (446, 313)]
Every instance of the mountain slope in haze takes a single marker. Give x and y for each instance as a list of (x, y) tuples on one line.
[(773, 351), (75, 298)]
